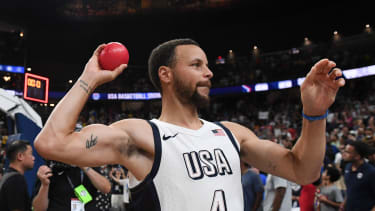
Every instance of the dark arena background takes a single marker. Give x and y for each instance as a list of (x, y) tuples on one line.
[(259, 52)]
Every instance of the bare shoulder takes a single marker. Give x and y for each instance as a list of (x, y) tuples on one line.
[(131, 124), (139, 132), (241, 132)]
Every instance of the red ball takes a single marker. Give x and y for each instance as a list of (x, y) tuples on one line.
[(113, 55)]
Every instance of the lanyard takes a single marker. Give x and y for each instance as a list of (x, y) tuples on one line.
[(70, 181)]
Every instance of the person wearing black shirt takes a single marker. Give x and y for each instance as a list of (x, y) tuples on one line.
[(13, 188), (54, 191), (359, 178)]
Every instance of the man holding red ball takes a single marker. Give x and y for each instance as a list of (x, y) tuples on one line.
[(183, 162)]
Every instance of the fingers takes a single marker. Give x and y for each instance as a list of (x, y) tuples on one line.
[(99, 49), (43, 169), (340, 82), (328, 67), (49, 174), (336, 72), (323, 66), (44, 172), (119, 70), (336, 77), (318, 67)]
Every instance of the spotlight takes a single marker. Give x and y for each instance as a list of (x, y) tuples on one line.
[(7, 78)]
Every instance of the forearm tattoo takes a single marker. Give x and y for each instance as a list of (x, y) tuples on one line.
[(91, 141), (85, 86)]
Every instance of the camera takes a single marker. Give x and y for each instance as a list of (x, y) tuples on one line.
[(58, 167)]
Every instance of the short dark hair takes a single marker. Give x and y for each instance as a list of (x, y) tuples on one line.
[(360, 147), (15, 147), (164, 55), (333, 173)]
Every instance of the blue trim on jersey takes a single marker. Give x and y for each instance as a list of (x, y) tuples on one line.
[(230, 135), (144, 195)]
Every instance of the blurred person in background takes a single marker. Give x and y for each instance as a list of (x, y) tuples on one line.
[(331, 149), (278, 191), (120, 198), (252, 188), (57, 187), (103, 200), (340, 165), (14, 195), (330, 197), (1, 171), (371, 156), (359, 178), (278, 194), (369, 137), (307, 196)]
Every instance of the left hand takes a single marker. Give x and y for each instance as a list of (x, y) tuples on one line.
[(322, 198), (320, 87)]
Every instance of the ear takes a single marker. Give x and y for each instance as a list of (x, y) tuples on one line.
[(165, 74), (20, 156)]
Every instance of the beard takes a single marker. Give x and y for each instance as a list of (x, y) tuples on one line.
[(192, 97)]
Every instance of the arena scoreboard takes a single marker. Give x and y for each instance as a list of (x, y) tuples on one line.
[(36, 88)]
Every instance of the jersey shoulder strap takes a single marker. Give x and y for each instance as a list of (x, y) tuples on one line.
[(230, 135)]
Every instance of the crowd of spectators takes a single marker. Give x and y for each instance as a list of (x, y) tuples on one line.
[(352, 52)]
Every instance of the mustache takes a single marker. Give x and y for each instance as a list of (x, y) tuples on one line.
[(204, 83)]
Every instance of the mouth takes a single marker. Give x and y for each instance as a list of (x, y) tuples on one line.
[(205, 90), (204, 84)]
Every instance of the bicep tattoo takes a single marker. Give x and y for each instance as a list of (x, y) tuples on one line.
[(91, 141)]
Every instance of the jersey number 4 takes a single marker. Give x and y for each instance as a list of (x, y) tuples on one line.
[(218, 202)]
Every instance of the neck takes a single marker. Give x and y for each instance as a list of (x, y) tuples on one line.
[(17, 167), (357, 163), (175, 112)]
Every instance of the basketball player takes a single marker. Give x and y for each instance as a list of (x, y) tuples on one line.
[(186, 163)]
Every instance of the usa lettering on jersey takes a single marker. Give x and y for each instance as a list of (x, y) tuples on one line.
[(205, 163)]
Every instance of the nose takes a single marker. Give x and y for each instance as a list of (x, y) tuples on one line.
[(208, 73)]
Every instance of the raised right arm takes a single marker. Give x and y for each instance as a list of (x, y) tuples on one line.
[(94, 145)]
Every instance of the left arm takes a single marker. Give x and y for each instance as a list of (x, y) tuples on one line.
[(302, 163), (99, 181)]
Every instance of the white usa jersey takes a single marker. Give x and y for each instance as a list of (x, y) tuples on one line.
[(193, 170)]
